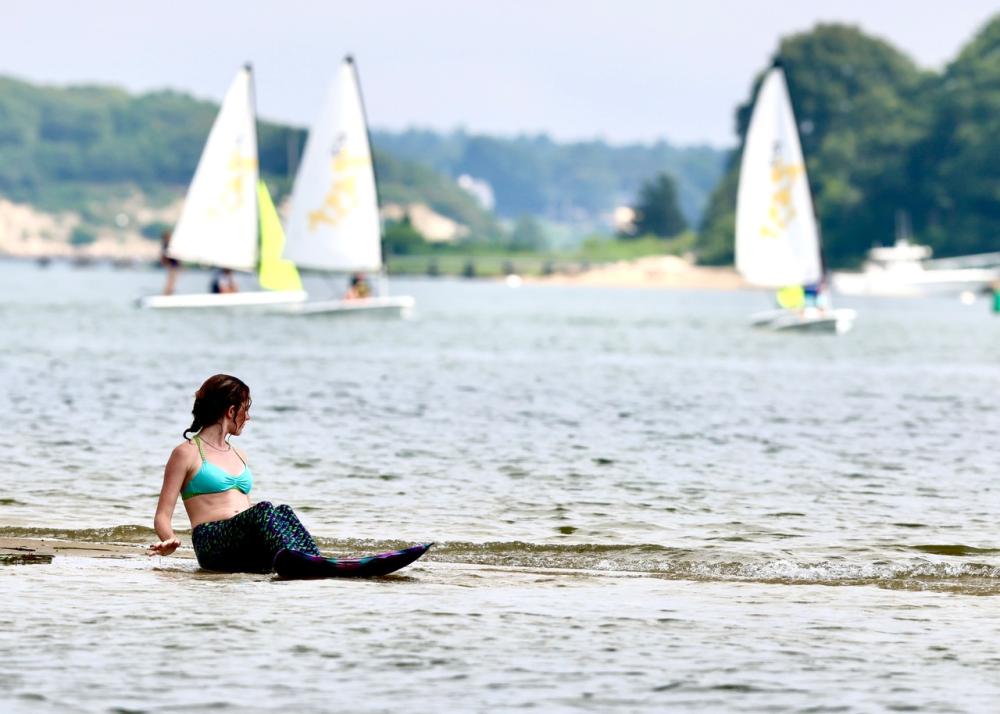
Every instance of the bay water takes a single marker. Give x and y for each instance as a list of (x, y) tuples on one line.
[(638, 502)]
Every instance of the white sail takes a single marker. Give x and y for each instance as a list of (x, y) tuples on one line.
[(333, 221), (218, 224), (777, 240)]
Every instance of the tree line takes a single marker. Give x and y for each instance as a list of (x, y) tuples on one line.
[(566, 182), (69, 148), (881, 135)]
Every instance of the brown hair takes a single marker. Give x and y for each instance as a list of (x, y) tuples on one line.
[(213, 399)]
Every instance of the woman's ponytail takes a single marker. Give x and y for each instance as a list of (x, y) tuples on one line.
[(193, 429)]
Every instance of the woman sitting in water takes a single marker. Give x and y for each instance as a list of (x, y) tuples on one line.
[(214, 480)]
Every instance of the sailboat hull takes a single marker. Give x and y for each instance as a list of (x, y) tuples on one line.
[(811, 320), (222, 300), (394, 306)]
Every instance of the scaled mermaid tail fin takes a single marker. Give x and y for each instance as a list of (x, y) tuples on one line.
[(296, 564)]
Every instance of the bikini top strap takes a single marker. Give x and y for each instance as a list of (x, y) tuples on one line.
[(241, 457), (201, 450)]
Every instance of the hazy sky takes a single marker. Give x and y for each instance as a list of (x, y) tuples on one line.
[(622, 70)]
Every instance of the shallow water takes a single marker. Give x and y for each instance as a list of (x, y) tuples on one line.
[(158, 637), (691, 488)]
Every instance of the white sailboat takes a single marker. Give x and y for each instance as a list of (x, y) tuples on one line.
[(777, 237), (333, 221), (228, 219)]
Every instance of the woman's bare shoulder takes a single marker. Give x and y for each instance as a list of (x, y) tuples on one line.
[(185, 450)]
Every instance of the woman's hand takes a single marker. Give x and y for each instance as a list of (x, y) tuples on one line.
[(164, 547)]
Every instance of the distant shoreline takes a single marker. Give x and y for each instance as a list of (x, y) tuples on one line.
[(660, 272), (653, 272)]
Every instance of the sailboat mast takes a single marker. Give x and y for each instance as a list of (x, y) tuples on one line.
[(368, 137), (253, 109)]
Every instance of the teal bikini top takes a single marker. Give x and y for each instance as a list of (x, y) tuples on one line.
[(215, 479)]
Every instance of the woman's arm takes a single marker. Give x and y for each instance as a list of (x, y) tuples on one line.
[(173, 478)]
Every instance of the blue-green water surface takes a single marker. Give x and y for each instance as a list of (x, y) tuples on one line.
[(640, 503)]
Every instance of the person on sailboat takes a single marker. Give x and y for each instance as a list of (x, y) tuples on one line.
[(817, 295), (172, 265), (810, 295), (223, 281), (359, 288), (213, 479)]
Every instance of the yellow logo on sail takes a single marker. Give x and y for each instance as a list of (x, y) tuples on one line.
[(781, 211), (342, 198), (239, 172)]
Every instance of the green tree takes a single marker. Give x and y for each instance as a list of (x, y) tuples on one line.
[(82, 236), (657, 212), (859, 105), (155, 230), (527, 235), (957, 162), (715, 240), (401, 238)]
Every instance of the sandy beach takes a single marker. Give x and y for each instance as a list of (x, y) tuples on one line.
[(18, 551), (661, 271)]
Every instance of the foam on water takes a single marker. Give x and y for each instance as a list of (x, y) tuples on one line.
[(917, 573)]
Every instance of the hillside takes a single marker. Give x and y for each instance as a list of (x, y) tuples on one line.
[(90, 150), (880, 136), (99, 152), (567, 182)]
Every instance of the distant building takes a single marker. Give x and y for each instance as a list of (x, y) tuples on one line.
[(479, 189), (624, 220)]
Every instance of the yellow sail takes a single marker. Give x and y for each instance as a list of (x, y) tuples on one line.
[(275, 273), (792, 297)]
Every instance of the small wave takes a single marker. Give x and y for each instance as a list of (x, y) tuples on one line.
[(950, 571), (659, 561), (700, 565), (113, 534), (955, 549)]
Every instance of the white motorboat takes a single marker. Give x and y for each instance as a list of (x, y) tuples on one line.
[(904, 270)]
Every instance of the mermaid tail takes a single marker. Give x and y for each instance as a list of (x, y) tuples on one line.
[(290, 563)]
